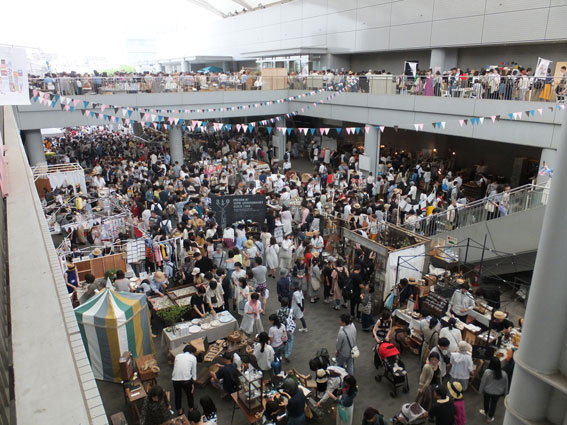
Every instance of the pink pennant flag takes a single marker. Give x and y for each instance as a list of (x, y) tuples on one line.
[(193, 124), (46, 96), (75, 102), (302, 109), (238, 127), (102, 108), (170, 120), (562, 107), (348, 130), (382, 127), (67, 107), (35, 92), (322, 130), (146, 116), (367, 129), (461, 122), (101, 116), (519, 115), (86, 113), (155, 125), (540, 110), (493, 118)]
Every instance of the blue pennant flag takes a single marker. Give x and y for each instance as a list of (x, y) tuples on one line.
[(71, 108), (181, 122), (338, 129), (228, 126), (288, 131), (184, 127), (160, 118), (56, 98), (312, 130), (167, 126), (511, 116), (85, 104), (130, 113), (93, 114), (357, 130), (130, 122), (269, 130), (250, 128), (36, 98)]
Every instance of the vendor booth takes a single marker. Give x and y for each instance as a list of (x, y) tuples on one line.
[(53, 176), (112, 323)]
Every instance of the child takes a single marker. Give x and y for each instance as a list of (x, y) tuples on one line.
[(456, 391)]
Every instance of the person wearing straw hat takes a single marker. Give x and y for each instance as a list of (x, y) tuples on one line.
[(96, 253), (158, 283), (71, 278), (462, 365), (500, 323), (456, 392)]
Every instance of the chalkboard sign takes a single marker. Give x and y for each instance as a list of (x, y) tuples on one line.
[(230, 209), (482, 352), (435, 304)]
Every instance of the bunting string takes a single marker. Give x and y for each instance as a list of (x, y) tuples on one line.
[(147, 119)]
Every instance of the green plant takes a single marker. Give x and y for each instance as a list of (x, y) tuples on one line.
[(173, 314), (110, 274)]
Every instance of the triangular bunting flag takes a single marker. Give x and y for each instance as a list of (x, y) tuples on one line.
[(461, 122)]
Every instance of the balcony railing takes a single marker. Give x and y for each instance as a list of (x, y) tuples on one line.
[(502, 204), (490, 86)]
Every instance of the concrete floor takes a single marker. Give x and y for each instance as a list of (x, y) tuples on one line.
[(323, 326)]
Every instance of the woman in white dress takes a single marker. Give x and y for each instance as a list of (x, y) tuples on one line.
[(251, 323), (272, 257), (286, 219), (286, 252), (242, 295), (297, 306)]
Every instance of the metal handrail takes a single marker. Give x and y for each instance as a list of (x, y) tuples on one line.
[(491, 207)]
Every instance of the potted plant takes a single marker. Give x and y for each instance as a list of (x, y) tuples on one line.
[(172, 315), (110, 274)]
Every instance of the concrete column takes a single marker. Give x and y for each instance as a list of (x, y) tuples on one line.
[(33, 143), (137, 129), (548, 157), (545, 327), (444, 59), (185, 67), (278, 142), (176, 144), (372, 148)]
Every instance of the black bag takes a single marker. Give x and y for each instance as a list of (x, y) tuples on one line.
[(90, 236), (347, 291)]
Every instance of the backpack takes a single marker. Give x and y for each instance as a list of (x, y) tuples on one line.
[(342, 278), (347, 291)]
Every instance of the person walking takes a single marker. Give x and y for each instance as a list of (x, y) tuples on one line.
[(345, 401), (462, 365), (493, 385), (285, 314), (184, 372), (346, 341), (298, 306), (251, 322), (278, 335)]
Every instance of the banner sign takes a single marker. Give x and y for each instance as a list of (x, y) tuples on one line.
[(542, 67), (230, 209), (13, 76)]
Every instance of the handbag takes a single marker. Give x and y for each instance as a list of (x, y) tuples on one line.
[(276, 365), (354, 351), (342, 412), (389, 303), (290, 323)]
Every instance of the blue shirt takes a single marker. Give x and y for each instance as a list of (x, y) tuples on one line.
[(156, 286)]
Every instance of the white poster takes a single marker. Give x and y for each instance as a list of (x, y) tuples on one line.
[(542, 66), (13, 76)]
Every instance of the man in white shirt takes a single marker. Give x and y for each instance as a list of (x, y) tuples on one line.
[(184, 372), (461, 302)]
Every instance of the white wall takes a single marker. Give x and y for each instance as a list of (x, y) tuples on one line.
[(348, 26)]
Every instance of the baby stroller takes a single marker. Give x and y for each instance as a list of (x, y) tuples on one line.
[(386, 355), (411, 414)]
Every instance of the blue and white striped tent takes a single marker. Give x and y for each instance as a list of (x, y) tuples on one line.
[(110, 324)]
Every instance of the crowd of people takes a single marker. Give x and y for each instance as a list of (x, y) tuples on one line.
[(504, 83), (239, 267)]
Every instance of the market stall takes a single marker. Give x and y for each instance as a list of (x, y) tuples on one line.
[(59, 175), (112, 323)]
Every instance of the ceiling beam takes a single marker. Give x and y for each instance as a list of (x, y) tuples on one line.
[(206, 5), (244, 4)]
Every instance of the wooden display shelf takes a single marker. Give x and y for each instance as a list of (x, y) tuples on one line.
[(98, 266)]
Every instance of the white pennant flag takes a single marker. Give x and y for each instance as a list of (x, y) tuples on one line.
[(481, 120), (443, 124)]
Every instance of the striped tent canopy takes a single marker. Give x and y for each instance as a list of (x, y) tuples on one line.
[(110, 324)]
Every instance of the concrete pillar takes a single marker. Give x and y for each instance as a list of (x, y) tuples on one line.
[(548, 158), (176, 144), (444, 59), (226, 66), (278, 142), (137, 129), (545, 328), (33, 143), (185, 66), (372, 148)]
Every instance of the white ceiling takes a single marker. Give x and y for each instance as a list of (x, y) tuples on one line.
[(232, 7)]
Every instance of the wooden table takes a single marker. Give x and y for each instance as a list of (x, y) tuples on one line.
[(180, 420), (145, 375), (251, 418), (133, 398)]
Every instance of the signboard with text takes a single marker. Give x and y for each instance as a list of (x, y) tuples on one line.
[(230, 209)]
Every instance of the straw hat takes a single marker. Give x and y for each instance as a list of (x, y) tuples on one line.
[(196, 271), (315, 254), (412, 281), (248, 244), (455, 389), (159, 277), (97, 252), (321, 376), (70, 266), (460, 281), (356, 206), (500, 315)]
